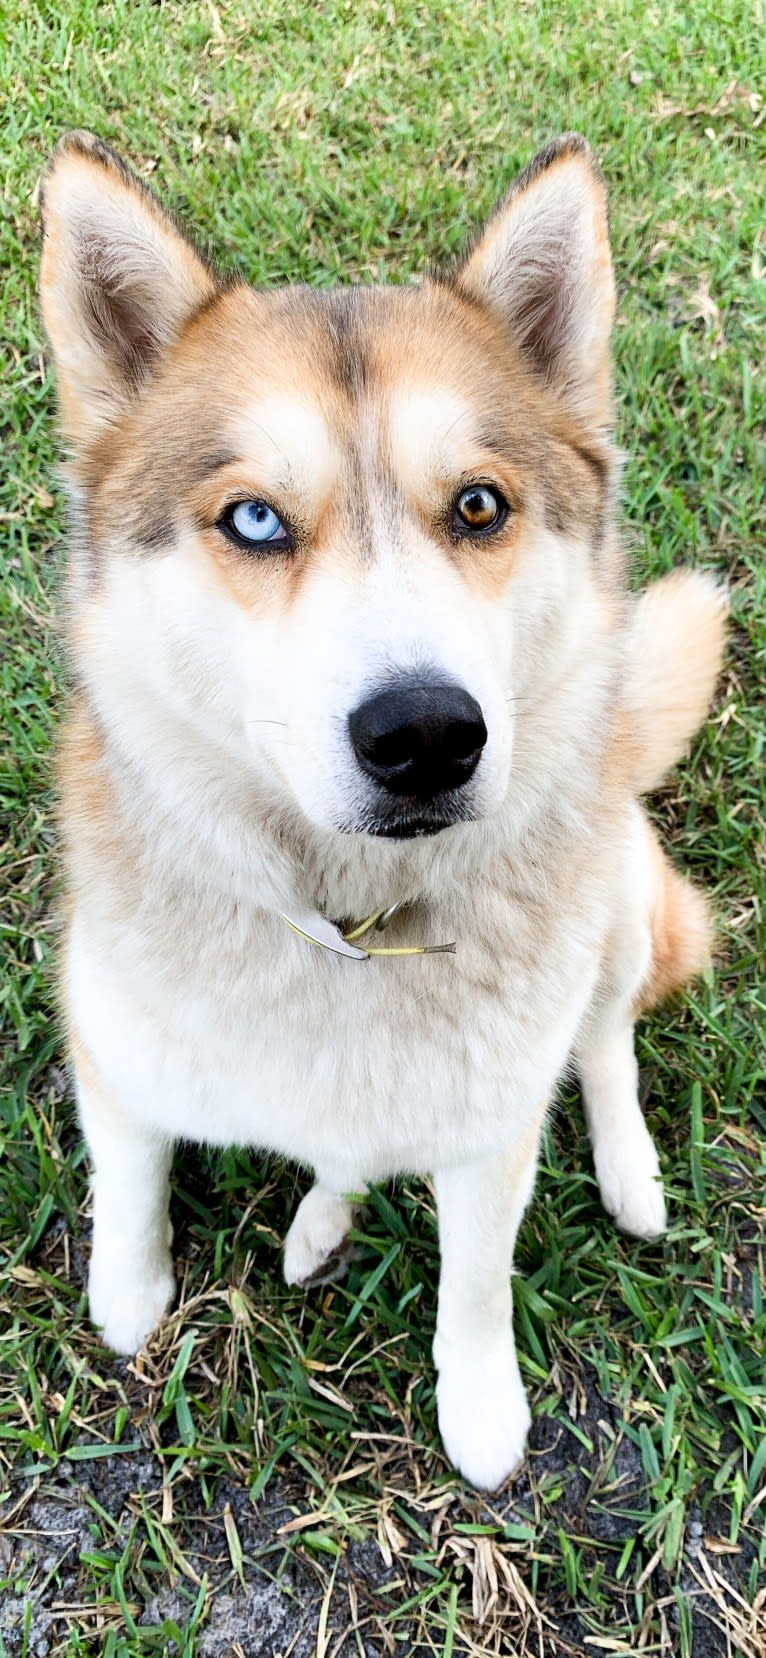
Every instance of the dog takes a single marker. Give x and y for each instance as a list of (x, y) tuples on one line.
[(362, 712)]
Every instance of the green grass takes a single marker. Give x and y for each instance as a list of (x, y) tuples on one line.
[(356, 141)]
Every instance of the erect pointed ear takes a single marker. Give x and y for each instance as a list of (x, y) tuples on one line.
[(543, 265), (118, 281)]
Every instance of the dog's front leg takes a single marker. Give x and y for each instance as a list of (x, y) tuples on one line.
[(483, 1411), (130, 1283)]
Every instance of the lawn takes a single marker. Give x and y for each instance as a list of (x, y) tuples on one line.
[(267, 1479)]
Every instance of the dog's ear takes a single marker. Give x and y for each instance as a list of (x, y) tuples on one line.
[(543, 264), (118, 281)]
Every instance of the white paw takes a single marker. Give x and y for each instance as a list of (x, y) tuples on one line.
[(484, 1417), (316, 1235), (127, 1304), (629, 1181)]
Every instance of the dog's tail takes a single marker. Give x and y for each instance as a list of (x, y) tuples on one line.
[(676, 645), (682, 930)]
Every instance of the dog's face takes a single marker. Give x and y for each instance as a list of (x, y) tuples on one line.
[(331, 529)]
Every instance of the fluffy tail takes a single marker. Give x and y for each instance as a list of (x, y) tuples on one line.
[(676, 645)]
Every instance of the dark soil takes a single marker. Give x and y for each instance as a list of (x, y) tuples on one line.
[(274, 1609)]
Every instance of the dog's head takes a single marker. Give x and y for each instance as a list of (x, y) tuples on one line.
[(343, 534)]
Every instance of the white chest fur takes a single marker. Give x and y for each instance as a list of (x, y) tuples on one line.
[(365, 1069)]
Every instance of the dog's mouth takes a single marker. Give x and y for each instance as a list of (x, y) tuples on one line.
[(411, 828), (414, 823)]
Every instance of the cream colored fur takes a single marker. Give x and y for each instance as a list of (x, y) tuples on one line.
[(208, 786), (677, 641)]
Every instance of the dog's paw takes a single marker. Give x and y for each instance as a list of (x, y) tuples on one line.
[(125, 1305), (484, 1416), (629, 1181), (314, 1242)]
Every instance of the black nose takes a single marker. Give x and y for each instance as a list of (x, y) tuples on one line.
[(419, 739)]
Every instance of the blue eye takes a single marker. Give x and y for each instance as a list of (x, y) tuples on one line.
[(255, 524)]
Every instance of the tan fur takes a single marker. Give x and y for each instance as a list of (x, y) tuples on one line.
[(681, 933), (89, 387), (554, 190)]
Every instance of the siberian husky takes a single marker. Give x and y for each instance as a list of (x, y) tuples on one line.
[(352, 643)]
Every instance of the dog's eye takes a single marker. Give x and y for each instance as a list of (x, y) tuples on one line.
[(254, 524), (478, 509)]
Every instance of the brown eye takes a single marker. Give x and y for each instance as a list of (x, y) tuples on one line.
[(478, 509)]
